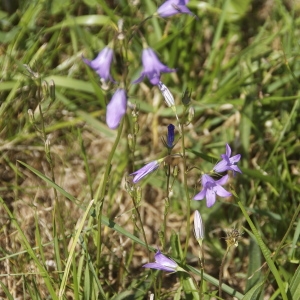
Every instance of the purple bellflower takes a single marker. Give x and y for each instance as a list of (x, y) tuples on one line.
[(163, 263), (116, 109), (198, 227), (152, 67), (101, 64), (210, 188), (228, 163), (173, 7), (145, 170)]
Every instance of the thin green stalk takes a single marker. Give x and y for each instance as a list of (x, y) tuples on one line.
[(167, 201), (221, 272), (142, 227), (102, 191), (187, 196), (201, 260), (57, 208)]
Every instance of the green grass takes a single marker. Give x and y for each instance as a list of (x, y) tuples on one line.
[(73, 226)]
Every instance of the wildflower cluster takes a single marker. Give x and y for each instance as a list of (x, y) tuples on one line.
[(152, 68), (212, 182)]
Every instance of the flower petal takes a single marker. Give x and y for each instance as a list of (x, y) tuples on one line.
[(201, 195), (236, 169), (210, 197), (235, 158), (228, 150), (145, 170), (222, 180), (165, 261), (221, 166), (220, 191), (158, 267)]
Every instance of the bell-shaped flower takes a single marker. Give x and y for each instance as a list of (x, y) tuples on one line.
[(152, 67), (101, 64), (228, 163), (198, 227), (145, 170), (211, 188), (163, 263), (116, 109), (172, 7)]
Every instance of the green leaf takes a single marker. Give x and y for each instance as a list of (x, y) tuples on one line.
[(72, 250), (6, 291), (91, 20), (295, 285), (42, 270), (122, 295), (254, 292), (236, 9), (294, 244), (254, 272), (266, 252), (189, 288), (50, 182), (71, 83)]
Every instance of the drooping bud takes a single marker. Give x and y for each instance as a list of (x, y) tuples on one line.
[(198, 227), (186, 97), (52, 90), (169, 99), (31, 116), (130, 141), (191, 114), (45, 89), (170, 136), (138, 194), (175, 171)]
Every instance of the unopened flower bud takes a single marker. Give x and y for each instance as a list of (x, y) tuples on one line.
[(161, 236), (186, 97), (198, 227), (45, 89), (136, 128), (130, 141), (47, 150), (138, 194), (31, 116), (120, 30), (52, 90), (169, 99), (191, 114), (175, 171), (135, 115)]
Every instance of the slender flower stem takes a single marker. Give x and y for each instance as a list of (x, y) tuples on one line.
[(102, 191), (167, 201), (201, 260), (57, 208), (142, 227), (221, 272), (187, 196)]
